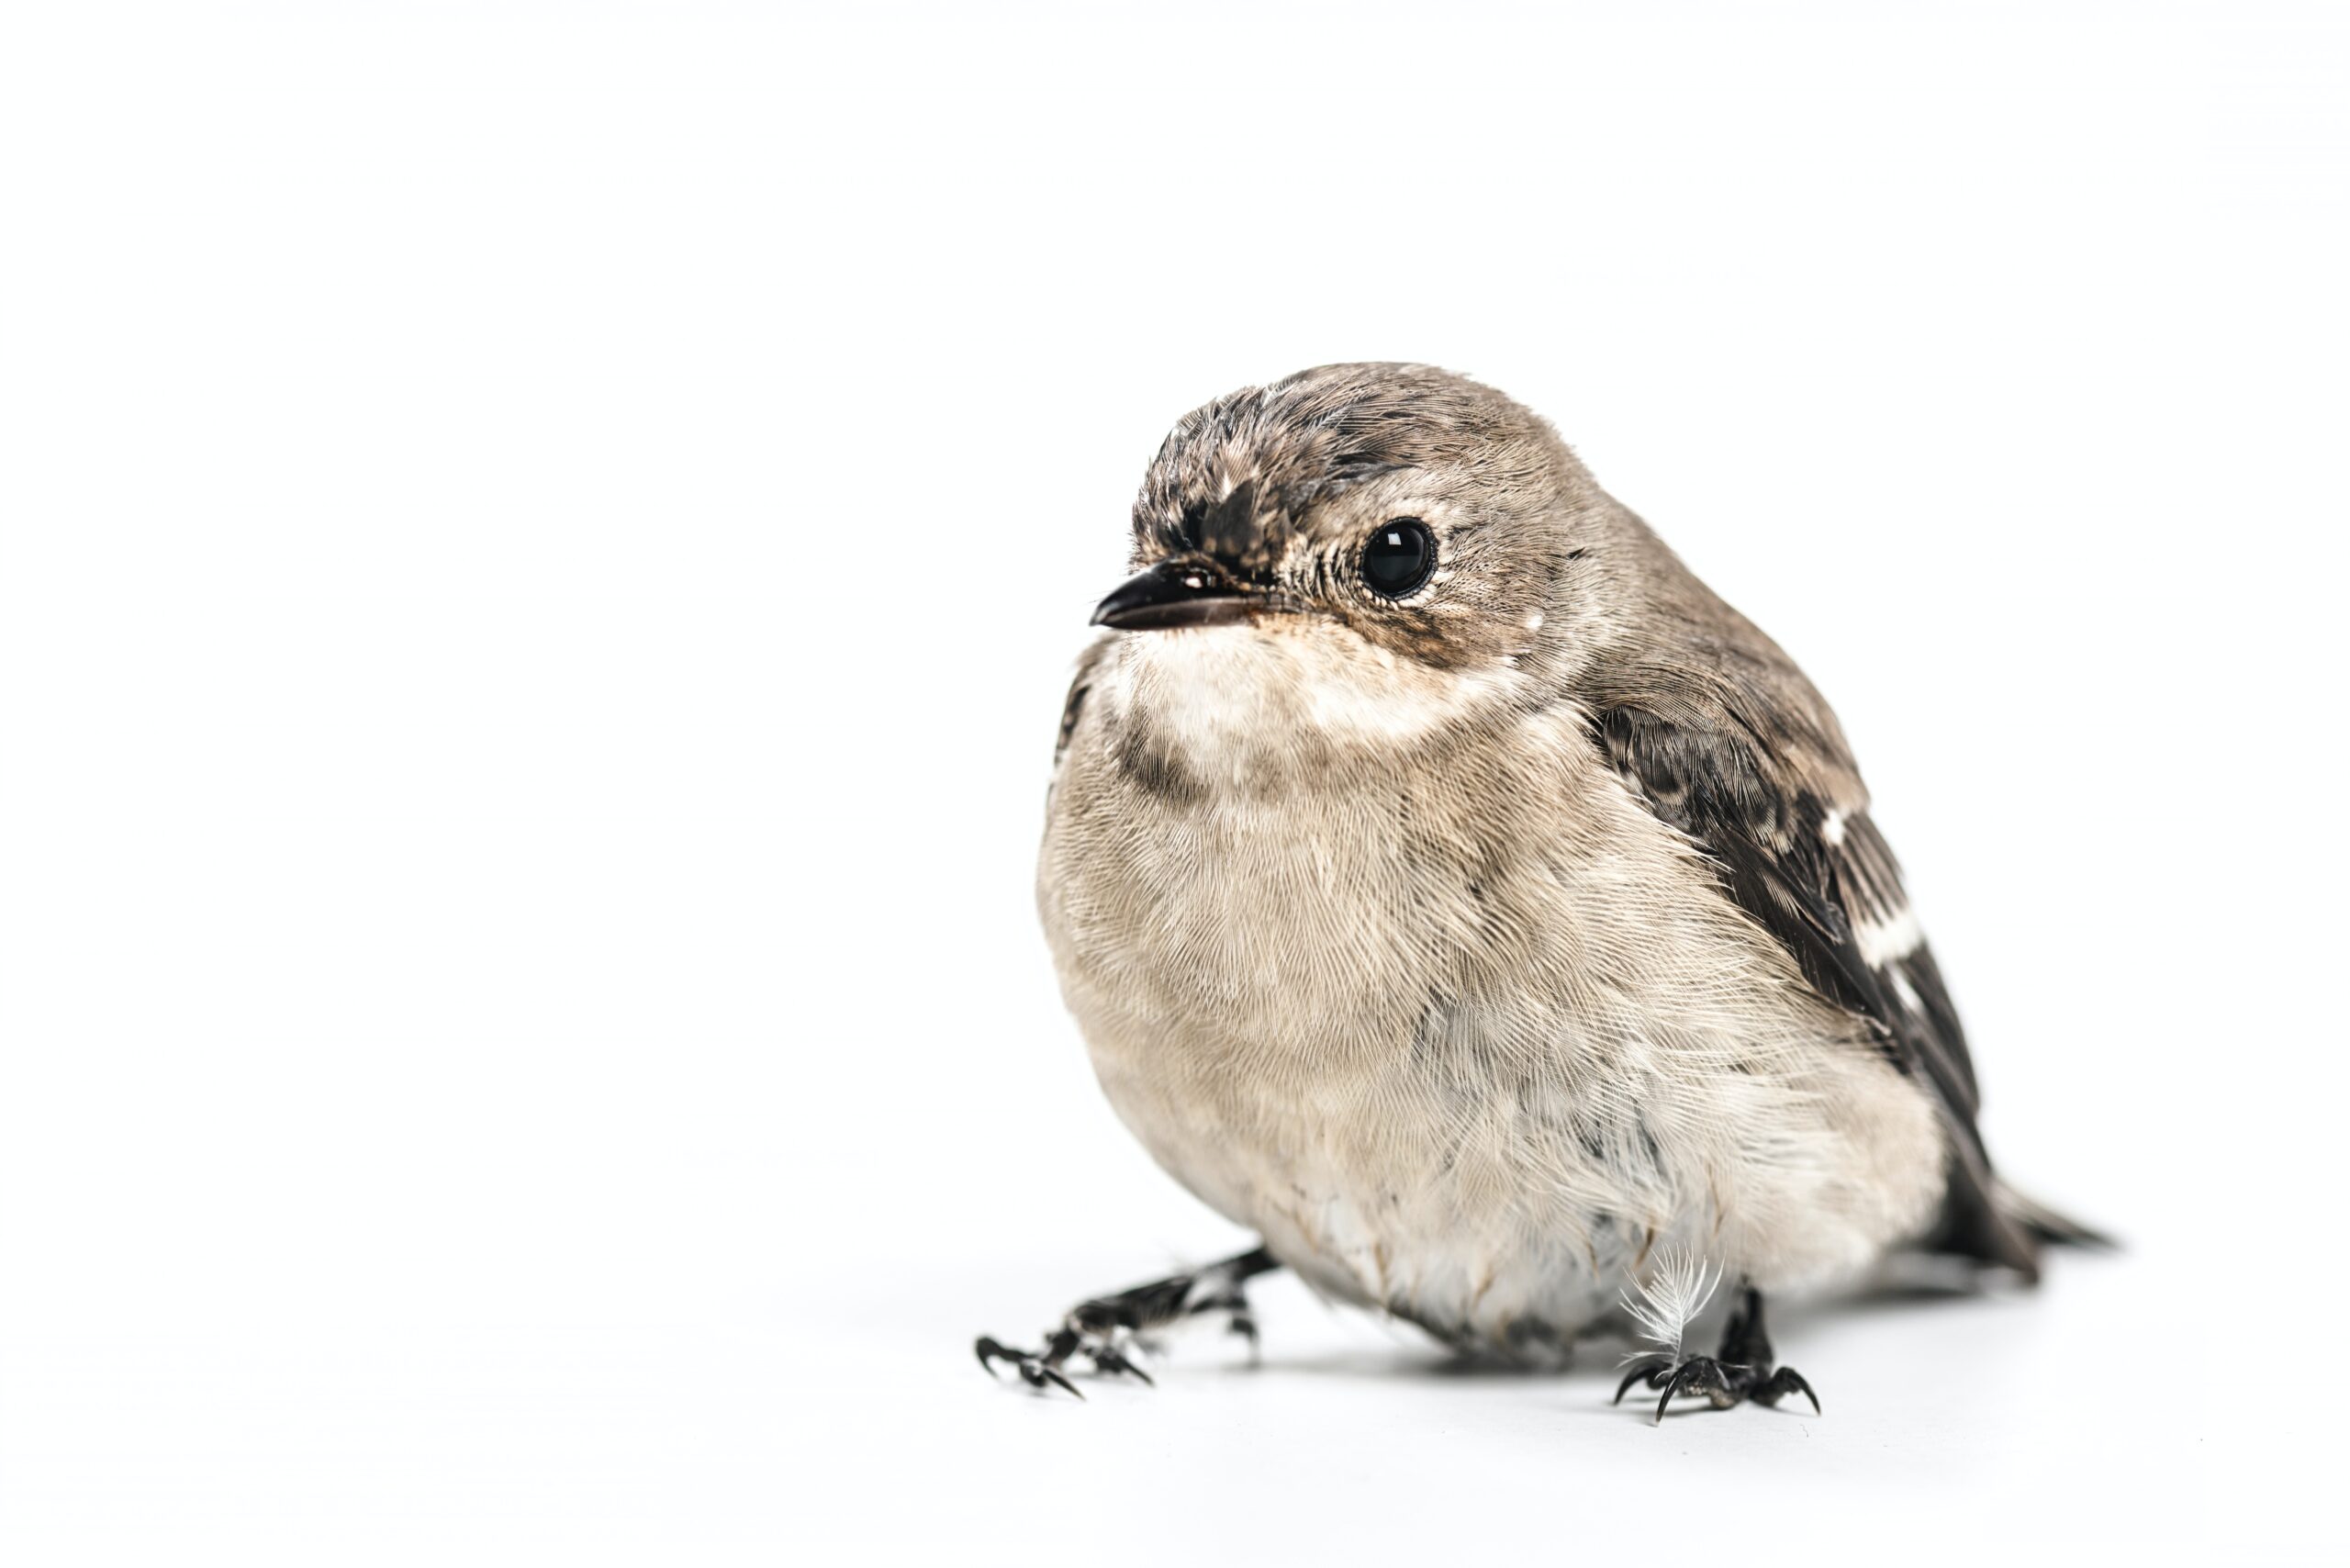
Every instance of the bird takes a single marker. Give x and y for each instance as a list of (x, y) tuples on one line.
[(1457, 894)]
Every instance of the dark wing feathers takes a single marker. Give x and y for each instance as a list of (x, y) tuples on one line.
[(1073, 705), (1781, 812), (1866, 881), (1767, 840)]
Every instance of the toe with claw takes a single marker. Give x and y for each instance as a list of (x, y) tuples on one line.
[(1038, 1368), (1105, 1330), (1745, 1369), (1033, 1368)]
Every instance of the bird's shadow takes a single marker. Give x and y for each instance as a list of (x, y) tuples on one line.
[(1926, 1289)]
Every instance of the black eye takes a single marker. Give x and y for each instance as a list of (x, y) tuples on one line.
[(1399, 557)]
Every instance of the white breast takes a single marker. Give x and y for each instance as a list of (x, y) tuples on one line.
[(1468, 1036)]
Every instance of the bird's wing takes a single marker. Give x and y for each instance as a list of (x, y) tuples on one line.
[(1769, 791), (1073, 705)]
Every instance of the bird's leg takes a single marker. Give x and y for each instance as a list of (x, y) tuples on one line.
[(1745, 1343), (1743, 1370), (1102, 1329)]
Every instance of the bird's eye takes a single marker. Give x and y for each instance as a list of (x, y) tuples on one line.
[(1399, 557)]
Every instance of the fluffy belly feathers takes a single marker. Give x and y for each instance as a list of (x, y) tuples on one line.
[(1474, 1066)]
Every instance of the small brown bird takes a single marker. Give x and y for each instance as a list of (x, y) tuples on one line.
[(1455, 892)]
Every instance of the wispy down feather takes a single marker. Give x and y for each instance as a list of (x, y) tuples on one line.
[(1675, 1292)]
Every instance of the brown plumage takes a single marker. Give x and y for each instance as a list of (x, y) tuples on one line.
[(1454, 890)]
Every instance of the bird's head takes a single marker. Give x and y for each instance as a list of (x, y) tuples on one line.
[(1355, 556)]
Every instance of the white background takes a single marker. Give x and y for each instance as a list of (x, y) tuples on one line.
[(543, 548)]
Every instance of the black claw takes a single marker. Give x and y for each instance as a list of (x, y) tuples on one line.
[(1034, 1371), (1784, 1382), (1096, 1329), (1685, 1379), (1703, 1374), (1652, 1367), (1111, 1361)]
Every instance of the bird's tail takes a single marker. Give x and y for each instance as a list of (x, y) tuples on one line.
[(1985, 1220), (2045, 1225)]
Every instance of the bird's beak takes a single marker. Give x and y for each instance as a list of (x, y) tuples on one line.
[(1178, 593)]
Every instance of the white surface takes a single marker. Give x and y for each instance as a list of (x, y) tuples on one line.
[(542, 552)]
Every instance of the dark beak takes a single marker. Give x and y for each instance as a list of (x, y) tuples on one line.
[(1178, 593)]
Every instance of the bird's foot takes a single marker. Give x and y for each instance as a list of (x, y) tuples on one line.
[(1745, 1369), (1104, 1330), (1721, 1384), (1039, 1369)]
